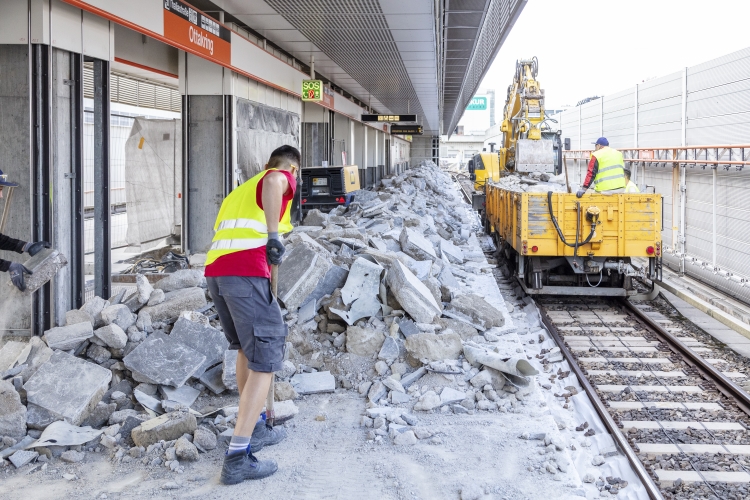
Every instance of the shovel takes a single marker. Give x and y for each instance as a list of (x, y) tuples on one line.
[(270, 417)]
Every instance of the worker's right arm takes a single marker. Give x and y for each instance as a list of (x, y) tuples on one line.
[(12, 244), (591, 172), (275, 184)]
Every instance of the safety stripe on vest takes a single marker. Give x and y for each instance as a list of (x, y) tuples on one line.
[(240, 244), (612, 167), (243, 224), (597, 181)]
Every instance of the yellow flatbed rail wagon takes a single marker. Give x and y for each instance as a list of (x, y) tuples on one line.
[(556, 243)]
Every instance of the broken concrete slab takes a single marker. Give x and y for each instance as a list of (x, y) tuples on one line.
[(202, 338), (38, 418), (389, 350), (93, 307), (229, 370), (313, 383), (44, 266), (450, 395), (119, 315), (112, 335), (144, 288), (315, 218), (213, 379), (284, 410), (12, 412), (432, 347), (9, 354), (167, 427), (68, 387), (23, 457), (184, 395), (162, 360), (410, 378), (474, 310), (364, 341), (516, 369), (184, 278), (363, 280), (408, 327), (188, 299), (416, 245), (451, 252), (77, 316), (415, 298), (68, 337), (64, 434), (300, 273), (333, 279)]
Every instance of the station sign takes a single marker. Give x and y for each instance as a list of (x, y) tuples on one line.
[(406, 129), (389, 118), (312, 90), (477, 104), (188, 27), (328, 97)]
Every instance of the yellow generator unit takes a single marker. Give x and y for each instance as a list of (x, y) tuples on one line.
[(556, 243), (328, 187)]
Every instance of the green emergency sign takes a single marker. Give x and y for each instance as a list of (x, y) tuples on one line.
[(477, 104), (312, 90)]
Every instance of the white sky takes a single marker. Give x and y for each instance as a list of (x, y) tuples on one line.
[(600, 47)]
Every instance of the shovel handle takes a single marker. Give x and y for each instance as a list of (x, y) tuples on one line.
[(269, 399)]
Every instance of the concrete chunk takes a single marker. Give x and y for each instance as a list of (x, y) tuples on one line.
[(300, 273), (167, 427), (68, 337), (112, 335), (144, 288), (363, 341), (184, 278), (213, 379), (23, 457), (389, 350), (313, 383), (416, 245), (163, 360), (451, 252), (68, 387), (415, 298), (118, 315), (184, 395), (188, 299), (93, 307), (77, 316), (203, 338), (431, 347), (475, 311), (12, 412), (45, 266), (9, 354), (333, 279)]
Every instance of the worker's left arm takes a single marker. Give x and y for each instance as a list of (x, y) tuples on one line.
[(591, 172), (12, 244), (275, 185)]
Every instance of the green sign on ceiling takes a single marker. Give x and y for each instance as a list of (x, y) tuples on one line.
[(477, 104), (312, 90)]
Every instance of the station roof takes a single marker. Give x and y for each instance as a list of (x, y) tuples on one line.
[(399, 56)]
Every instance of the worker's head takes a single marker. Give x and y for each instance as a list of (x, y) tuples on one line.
[(627, 174), (601, 143), (285, 158), (5, 182)]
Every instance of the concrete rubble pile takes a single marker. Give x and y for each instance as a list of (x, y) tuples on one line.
[(122, 376), (378, 299), (393, 312), (534, 182)]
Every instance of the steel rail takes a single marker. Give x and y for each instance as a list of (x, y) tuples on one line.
[(651, 487), (723, 383)]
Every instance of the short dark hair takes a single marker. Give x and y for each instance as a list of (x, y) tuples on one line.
[(283, 156), (627, 171)]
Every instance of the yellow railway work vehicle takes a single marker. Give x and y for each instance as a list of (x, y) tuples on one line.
[(485, 167), (555, 243)]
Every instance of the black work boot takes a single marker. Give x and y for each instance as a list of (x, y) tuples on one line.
[(265, 435), (241, 466)]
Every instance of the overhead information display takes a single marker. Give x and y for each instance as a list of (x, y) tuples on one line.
[(406, 129), (389, 118)]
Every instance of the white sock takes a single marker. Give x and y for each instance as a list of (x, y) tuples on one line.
[(238, 444)]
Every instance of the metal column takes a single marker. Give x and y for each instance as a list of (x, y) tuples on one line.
[(76, 257), (102, 246), (42, 212)]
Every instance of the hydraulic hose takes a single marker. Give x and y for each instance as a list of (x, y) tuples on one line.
[(578, 222)]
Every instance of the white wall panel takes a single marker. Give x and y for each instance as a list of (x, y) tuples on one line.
[(98, 37), (146, 13), (39, 14), (14, 22), (203, 77), (65, 26), (248, 57), (130, 46)]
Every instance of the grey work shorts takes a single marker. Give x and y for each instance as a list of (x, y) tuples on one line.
[(251, 319)]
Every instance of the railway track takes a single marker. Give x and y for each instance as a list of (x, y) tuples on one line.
[(667, 392)]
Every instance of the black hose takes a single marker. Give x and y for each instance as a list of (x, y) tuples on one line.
[(559, 232)]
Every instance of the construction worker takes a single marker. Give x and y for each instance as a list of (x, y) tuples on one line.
[(630, 186), (605, 170), (15, 269), (247, 240)]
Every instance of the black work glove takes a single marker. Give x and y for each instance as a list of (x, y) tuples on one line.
[(580, 193), (16, 271), (274, 249), (35, 248)]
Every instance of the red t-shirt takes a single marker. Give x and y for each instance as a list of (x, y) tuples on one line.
[(251, 262)]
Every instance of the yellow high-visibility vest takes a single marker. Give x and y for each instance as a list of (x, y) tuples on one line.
[(611, 173), (631, 188), (241, 223)]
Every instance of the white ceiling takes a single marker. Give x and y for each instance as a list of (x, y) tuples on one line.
[(381, 51)]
